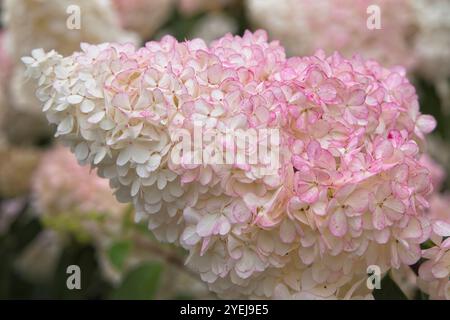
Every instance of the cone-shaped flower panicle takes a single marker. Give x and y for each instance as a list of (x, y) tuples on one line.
[(339, 186)]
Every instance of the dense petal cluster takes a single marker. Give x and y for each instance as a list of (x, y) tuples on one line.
[(143, 16), (54, 25), (349, 190)]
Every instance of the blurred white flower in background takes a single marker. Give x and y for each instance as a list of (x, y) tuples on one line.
[(43, 24), (432, 45), (304, 26), (213, 26), (414, 34)]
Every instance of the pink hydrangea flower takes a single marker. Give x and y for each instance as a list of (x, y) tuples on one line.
[(350, 190), (61, 185)]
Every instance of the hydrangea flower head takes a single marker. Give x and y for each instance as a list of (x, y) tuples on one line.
[(350, 190), (304, 26)]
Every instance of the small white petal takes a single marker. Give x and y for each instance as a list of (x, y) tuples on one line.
[(206, 225), (96, 117), (100, 155), (135, 187), (153, 196), (154, 208), (154, 161), (107, 124), (87, 106), (162, 182), (142, 171), (176, 190), (61, 107), (48, 104), (82, 151), (27, 60), (74, 99), (124, 157), (139, 154), (65, 126)]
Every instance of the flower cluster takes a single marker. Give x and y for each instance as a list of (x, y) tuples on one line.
[(349, 192), (54, 24), (72, 199), (432, 44)]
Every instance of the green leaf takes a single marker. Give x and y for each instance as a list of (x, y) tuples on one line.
[(118, 253), (389, 290), (140, 283)]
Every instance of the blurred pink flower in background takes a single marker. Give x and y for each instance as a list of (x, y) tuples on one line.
[(304, 26), (60, 184), (437, 172), (350, 192), (213, 26)]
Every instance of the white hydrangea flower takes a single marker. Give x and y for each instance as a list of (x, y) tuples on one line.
[(339, 201)]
